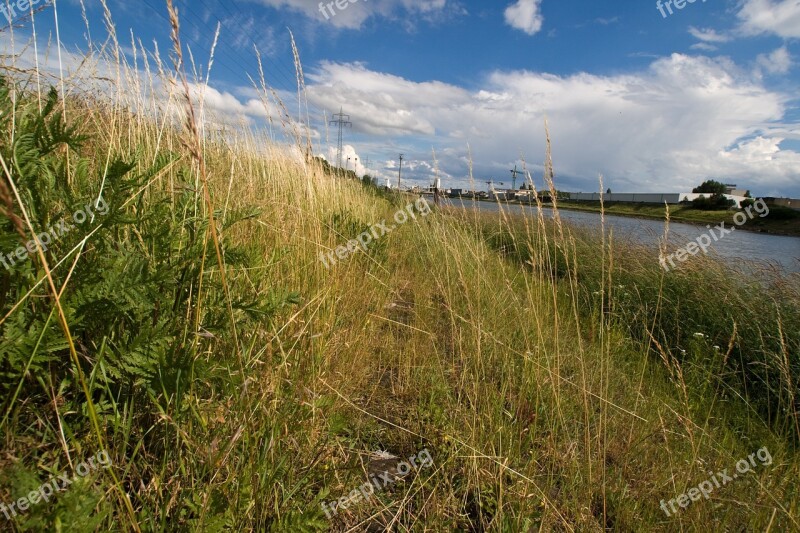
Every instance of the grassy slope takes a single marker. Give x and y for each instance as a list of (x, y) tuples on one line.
[(539, 409)]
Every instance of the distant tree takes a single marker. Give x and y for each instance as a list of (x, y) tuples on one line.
[(710, 187), (326, 167), (747, 195), (608, 191), (712, 203)]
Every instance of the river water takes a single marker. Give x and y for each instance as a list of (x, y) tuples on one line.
[(780, 251)]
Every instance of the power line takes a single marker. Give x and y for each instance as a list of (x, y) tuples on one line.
[(232, 53)]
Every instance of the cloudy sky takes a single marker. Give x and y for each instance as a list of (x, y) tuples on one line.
[(653, 97)]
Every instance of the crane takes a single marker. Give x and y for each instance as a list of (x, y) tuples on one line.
[(514, 177)]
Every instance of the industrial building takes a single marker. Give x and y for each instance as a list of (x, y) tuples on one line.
[(649, 198)]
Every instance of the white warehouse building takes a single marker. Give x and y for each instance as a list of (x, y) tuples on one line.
[(645, 198)]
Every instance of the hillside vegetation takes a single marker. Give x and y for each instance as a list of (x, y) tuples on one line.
[(556, 379)]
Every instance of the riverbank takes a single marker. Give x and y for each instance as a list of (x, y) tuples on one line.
[(784, 224), (781, 221)]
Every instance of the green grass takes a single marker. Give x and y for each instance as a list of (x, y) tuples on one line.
[(554, 376)]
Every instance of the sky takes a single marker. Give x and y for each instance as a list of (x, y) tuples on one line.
[(652, 96)]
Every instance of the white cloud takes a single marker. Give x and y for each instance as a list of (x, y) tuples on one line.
[(781, 17), (662, 129), (351, 160), (224, 107), (777, 62), (525, 15), (607, 21), (386, 104), (708, 35), (704, 47)]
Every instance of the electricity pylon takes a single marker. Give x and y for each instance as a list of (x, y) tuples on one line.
[(400, 173), (343, 121)]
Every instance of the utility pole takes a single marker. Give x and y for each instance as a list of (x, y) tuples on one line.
[(343, 121), (400, 173), (514, 178)]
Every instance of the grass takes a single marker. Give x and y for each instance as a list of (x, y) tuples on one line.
[(553, 374)]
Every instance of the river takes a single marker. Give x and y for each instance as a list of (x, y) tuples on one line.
[(777, 250)]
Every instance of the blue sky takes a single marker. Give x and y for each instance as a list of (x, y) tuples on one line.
[(652, 102)]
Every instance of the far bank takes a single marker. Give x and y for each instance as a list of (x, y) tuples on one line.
[(780, 221)]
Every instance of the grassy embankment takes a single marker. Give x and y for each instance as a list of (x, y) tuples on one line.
[(553, 388)]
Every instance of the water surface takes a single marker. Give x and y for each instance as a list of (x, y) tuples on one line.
[(778, 250)]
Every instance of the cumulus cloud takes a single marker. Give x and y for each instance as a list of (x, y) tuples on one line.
[(778, 61), (351, 160), (525, 15), (705, 47), (384, 104), (781, 17), (708, 35), (226, 104), (664, 128)]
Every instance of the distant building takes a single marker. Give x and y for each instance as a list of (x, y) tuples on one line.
[(636, 198), (734, 191), (793, 203), (524, 195), (497, 194), (647, 198)]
